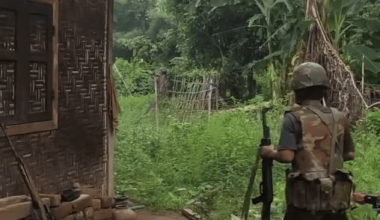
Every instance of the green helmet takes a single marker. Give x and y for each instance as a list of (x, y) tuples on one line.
[(309, 74)]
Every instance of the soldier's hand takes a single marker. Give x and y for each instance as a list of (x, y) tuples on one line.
[(357, 197), (267, 151)]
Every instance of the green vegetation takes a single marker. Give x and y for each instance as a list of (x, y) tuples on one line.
[(166, 168), (253, 46)]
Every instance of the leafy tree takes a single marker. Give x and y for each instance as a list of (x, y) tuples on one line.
[(143, 30), (219, 38), (250, 43)]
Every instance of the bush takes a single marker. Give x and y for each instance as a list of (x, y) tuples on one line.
[(168, 166), (134, 77), (372, 121)]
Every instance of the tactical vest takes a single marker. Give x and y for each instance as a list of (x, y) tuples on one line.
[(318, 181)]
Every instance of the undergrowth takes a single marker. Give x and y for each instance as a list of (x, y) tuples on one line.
[(166, 167)]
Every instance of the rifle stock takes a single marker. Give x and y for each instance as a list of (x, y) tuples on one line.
[(40, 210), (266, 185)]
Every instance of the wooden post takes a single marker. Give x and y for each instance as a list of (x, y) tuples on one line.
[(156, 99), (202, 95), (209, 99), (110, 144), (217, 95), (363, 74)]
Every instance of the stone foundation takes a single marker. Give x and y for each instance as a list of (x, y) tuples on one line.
[(83, 208)]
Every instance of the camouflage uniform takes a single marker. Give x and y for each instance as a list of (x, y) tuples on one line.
[(317, 186)]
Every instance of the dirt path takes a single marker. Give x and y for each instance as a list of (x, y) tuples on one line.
[(152, 215)]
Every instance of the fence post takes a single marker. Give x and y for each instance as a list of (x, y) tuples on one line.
[(217, 94), (363, 74), (209, 99), (156, 99)]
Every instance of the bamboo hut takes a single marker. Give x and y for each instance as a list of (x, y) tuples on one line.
[(57, 98)]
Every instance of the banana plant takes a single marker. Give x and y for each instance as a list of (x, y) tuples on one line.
[(343, 16), (267, 7), (361, 53), (275, 23), (338, 13)]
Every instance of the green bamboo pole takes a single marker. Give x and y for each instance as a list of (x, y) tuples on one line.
[(248, 194)]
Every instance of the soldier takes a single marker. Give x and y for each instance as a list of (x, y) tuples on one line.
[(316, 140)]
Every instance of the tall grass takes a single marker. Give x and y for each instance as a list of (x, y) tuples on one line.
[(166, 168)]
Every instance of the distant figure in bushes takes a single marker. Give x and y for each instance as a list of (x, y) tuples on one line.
[(316, 140)]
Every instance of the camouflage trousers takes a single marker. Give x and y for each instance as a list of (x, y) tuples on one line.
[(293, 213)]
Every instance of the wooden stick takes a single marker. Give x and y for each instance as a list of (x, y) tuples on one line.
[(248, 193), (363, 74), (156, 100), (209, 100), (121, 77)]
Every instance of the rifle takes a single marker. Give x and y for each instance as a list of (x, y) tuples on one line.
[(40, 211), (373, 200), (266, 185)]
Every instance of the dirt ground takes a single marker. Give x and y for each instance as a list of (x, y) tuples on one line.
[(152, 215)]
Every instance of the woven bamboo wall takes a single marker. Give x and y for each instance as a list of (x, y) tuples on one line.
[(75, 152)]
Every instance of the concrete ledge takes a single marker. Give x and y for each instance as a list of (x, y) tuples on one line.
[(13, 200), (65, 209), (81, 203), (96, 204), (88, 213), (19, 210), (55, 199)]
